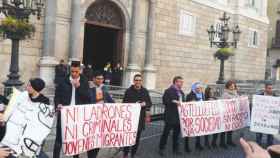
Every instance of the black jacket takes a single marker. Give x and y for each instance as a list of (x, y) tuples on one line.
[(63, 92), (3, 100), (262, 93), (133, 95), (171, 115), (192, 97), (60, 73), (40, 99)]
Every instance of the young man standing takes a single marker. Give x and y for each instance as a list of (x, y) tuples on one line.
[(99, 94), (74, 90), (268, 91), (172, 98), (136, 93)]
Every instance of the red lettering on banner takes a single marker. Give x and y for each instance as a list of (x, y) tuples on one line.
[(201, 125), (71, 114), (99, 126), (231, 107), (70, 132), (78, 146)]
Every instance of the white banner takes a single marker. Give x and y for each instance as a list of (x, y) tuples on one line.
[(265, 114), (28, 124), (85, 127), (208, 117)]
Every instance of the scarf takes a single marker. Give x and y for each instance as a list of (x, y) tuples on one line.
[(199, 96)]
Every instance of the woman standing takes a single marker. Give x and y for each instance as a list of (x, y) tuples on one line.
[(210, 96), (230, 92), (196, 94)]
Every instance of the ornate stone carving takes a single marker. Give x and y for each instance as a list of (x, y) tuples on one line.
[(105, 12)]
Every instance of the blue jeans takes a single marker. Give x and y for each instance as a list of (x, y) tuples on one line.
[(269, 140)]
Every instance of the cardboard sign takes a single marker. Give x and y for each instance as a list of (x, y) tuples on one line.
[(208, 117), (85, 127), (265, 114), (28, 124)]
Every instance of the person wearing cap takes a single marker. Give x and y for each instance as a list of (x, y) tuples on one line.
[(34, 87), (74, 90)]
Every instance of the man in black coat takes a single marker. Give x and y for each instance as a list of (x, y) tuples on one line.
[(172, 98), (268, 91), (138, 94), (60, 72), (74, 90)]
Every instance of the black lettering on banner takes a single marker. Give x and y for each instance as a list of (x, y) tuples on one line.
[(31, 145), (44, 113)]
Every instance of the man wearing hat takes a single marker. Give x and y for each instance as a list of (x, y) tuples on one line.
[(34, 87), (74, 90)]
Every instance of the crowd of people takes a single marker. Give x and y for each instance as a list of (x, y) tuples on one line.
[(75, 88), (112, 74)]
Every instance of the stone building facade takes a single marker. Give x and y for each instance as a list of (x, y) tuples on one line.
[(159, 38), (273, 62)]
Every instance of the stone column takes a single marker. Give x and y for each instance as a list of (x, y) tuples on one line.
[(75, 30), (48, 61), (132, 67), (149, 69)]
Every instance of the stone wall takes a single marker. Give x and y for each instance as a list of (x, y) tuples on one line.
[(191, 57)]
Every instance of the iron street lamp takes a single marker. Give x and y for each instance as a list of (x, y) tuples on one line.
[(220, 38), (19, 10)]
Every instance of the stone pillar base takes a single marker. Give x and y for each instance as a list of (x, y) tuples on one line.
[(150, 77), (47, 70), (130, 71)]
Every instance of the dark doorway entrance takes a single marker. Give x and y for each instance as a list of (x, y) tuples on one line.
[(100, 46), (103, 39)]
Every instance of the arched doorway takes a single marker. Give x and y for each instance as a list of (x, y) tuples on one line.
[(103, 36)]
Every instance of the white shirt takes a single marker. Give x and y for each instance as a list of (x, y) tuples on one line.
[(73, 96)]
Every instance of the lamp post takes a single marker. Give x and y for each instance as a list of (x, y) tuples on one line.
[(20, 10), (220, 38)]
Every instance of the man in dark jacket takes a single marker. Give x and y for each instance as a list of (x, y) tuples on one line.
[(172, 98), (268, 91), (34, 88), (60, 72), (99, 94), (138, 94), (74, 90)]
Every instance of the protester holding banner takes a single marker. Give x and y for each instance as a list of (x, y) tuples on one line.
[(99, 94), (172, 98), (197, 94), (138, 94), (5, 152), (74, 90), (210, 96), (267, 92), (3, 102), (34, 87), (230, 92)]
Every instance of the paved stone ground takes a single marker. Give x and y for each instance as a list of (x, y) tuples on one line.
[(149, 146)]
